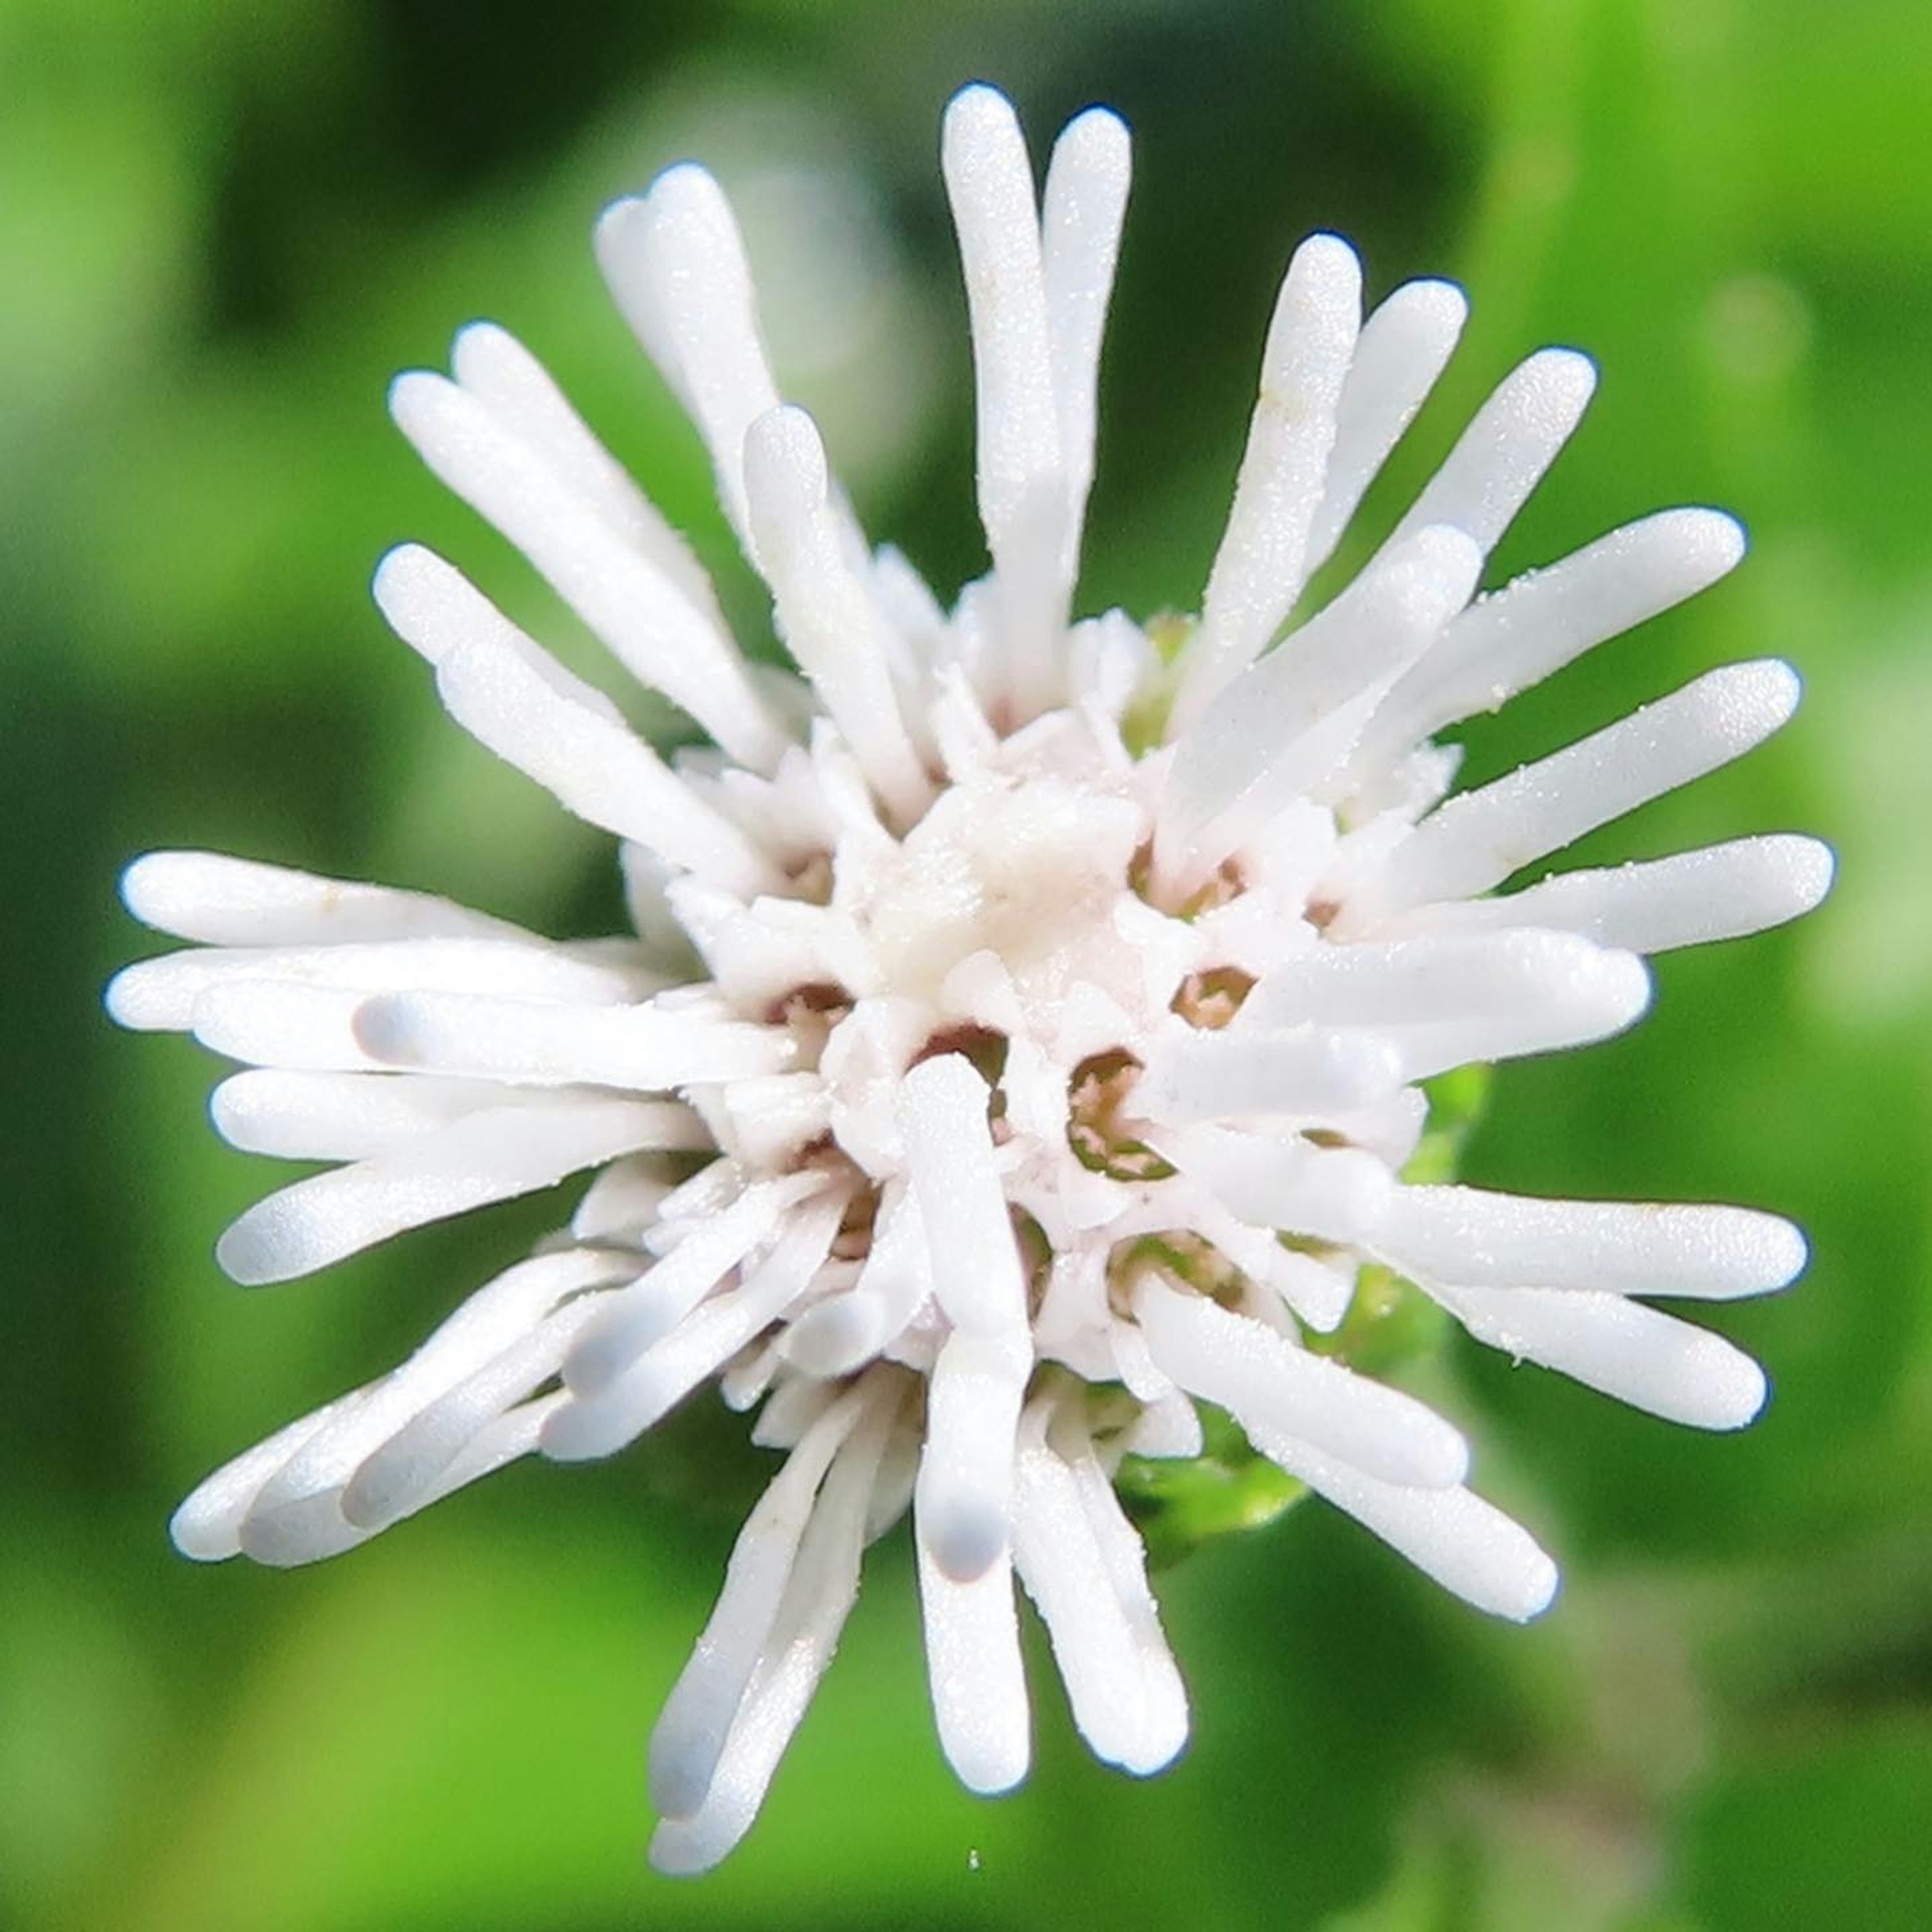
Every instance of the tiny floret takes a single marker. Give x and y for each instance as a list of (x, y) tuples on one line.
[(1018, 1054)]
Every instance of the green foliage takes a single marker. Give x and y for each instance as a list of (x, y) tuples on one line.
[(1178, 1506)]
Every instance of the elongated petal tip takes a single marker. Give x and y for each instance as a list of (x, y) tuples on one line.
[(1773, 1250), (1693, 1377), (1755, 699), (585, 1431), (1555, 384), (1711, 542), (609, 1346), (415, 398), (683, 1759), (273, 1241), (304, 1531), (614, 237), (412, 589), (384, 1029), (836, 1337), (965, 1533), (1434, 574), (479, 348), (374, 1497), (1100, 136), (1437, 305), (1443, 550), (992, 1766), (1328, 260), (1738, 1396), (131, 1001), (1440, 1451), (1617, 985), (234, 1112), (976, 110), (784, 462), (677, 1851), (1535, 1590), (1806, 867), (684, 188), (156, 886), (202, 1530)]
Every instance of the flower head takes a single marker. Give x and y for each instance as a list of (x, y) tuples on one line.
[(1022, 1035)]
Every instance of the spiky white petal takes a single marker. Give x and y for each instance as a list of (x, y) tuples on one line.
[(217, 901), (1477, 840), (1501, 458), (1262, 564)]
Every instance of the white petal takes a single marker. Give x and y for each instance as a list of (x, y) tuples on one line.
[(1054, 1548), (697, 1718), (1081, 216), (621, 1202), (1477, 840), (660, 1299), (280, 1501), (941, 1107), (1501, 458), (826, 616), (1620, 1347), (509, 381), (796, 1403), (282, 1023), (546, 1044), (841, 1334), (160, 994), (1405, 346), (218, 901), (1123, 1558), (485, 1157), (402, 1475), (1096, 1644), (1333, 1194), (1168, 1427), (973, 1665), (803, 1635), (1318, 1289), (696, 1343), (1718, 892), (1274, 731), (300, 1116), (1259, 569), (1425, 981), (1199, 1076), (205, 1524), (1467, 1546), (641, 613), (1596, 994), (964, 1495), (676, 263), (1266, 1383), (647, 877), (1518, 635), (1023, 501), (1469, 1238), (505, 690)]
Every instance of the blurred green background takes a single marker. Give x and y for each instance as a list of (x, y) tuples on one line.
[(222, 225)]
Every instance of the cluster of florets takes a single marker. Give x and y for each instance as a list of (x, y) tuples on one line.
[(1022, 1035)]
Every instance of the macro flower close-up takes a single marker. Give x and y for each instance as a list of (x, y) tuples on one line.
[(1024, 1059)]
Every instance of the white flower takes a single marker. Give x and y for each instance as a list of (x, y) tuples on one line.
[(1022, 1030)]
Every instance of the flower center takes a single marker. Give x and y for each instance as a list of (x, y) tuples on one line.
[(1029, 871)]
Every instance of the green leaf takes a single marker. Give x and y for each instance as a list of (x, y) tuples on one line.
[(1178, 1506)]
